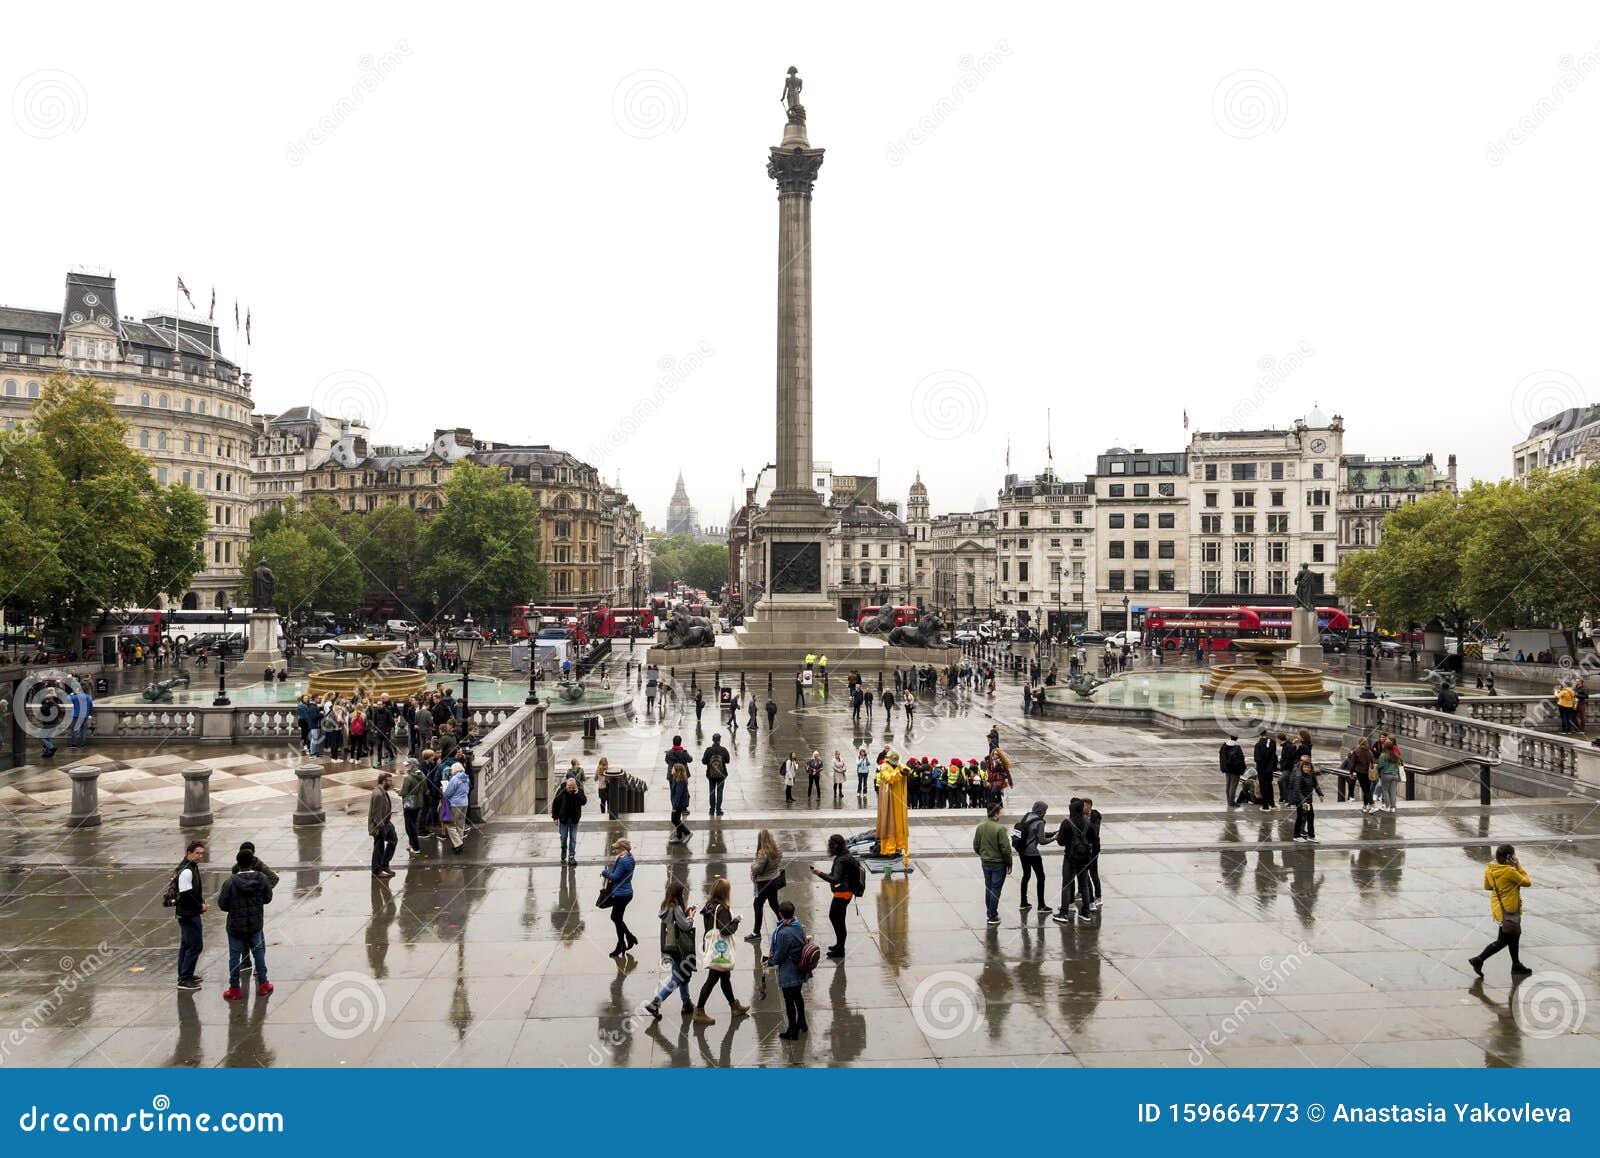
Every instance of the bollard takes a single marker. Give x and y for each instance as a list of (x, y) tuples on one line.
[(1483, 784), (196, 797), (1411, 784), (85, 812), (308, 803)]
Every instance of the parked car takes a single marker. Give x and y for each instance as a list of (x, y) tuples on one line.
[(216, 643), (1087, 637), (1334, 643), (965, 635), (349, 637), (1126, 639)]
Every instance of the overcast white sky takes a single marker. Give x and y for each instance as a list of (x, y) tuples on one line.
[(1117, 213)]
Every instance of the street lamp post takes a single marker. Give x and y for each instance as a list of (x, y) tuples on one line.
[(222, 700), (1127, 618), (466, 646), (1369, 628)]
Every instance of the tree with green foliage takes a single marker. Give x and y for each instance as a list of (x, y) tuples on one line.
[(482, 550), (311, 564), (118, 538), (679, 558)]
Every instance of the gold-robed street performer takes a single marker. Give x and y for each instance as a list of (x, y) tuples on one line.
[(894, 828)]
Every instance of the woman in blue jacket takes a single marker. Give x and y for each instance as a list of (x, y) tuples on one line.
[(678, 790), (788, 939), (620, 876)]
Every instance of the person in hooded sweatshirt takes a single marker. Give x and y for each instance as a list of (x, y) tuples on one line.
[(1266, 761), (1077, 851), (244, 896), (1231, 759), (1030, 833)]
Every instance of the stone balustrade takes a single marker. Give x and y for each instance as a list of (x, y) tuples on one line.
[(513, 761), (1462, 736)]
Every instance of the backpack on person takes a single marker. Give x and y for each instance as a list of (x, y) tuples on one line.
[(169, 895), (858, 877), (810, 958), (358, 724), (716, 768), (1016, 837)]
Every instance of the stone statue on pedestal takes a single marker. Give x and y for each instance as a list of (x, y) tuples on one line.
[(791, 96), (263, 585), (1307, 587)]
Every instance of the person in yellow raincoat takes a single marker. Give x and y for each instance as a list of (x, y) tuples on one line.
[(894, 827)]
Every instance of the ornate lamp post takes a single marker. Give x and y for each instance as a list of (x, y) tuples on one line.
[(533, 672), (1369, 628), (466, 647), (1127, 620), (222, 700)]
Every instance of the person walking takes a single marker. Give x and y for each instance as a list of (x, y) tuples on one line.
[(699, 705), (1505, 879), (380, 825), (1265, 756), (788, 945), (772, 713), (993, 846), (814, 775), (652, 685), (716, 950), (1363, 770), (618, 888), (838, 776), (244, 896), (856, 696), (888, 707), (909, 702), (1301, 792), (767, 875), (566, 810), (1389, 769), (789, 769), (1028, 834), (1073, 837), (413, 794), (677, 948), (81, 706), (863, 770), (453, 806), (678, 787), (1230, 757), (1580, 711), (188, 902), (800, 689), (716, 759), (845, 876)]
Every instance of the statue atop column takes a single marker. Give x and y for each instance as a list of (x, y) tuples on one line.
[(1307, 587), (791, 97)]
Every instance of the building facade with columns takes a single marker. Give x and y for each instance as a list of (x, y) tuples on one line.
[(187, 408), (1369, 488), (960, 563), (1141, 535), (1262, 502)]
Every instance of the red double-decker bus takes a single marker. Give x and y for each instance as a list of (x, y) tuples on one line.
[(618, 622), (1213, 628), (903, 614), (527, 619), (1279, 621)]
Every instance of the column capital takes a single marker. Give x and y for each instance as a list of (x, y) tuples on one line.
[(795, 170)]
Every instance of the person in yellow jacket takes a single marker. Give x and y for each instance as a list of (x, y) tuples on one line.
[(1505, 879), (1567, 705)]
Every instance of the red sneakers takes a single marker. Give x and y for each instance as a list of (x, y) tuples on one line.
[(233, 993), (264, 989)]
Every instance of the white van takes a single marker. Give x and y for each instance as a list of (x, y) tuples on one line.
[(1124, 639), (399, 628)]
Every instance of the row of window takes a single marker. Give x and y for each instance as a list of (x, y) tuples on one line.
[(1245, 552), (1247, 471), (1025, 544), (1142, 466), (1164, 520), (1141, 490), (1165, 549), (1314, 498), (1118, 581), (1055, 518), (1246, 524), (1244, 583), (865, 551)]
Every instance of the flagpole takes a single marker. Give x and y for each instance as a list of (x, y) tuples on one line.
[(177, 331)]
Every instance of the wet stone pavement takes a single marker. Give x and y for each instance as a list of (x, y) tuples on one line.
[(1220, 942)]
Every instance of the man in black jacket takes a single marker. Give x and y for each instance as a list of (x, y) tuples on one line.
[(1231, 758), (188, 905), (244, 896), (678, 754), (1288, 762), (716, 758), (1266, 761), (566, 810), (1073, 837)]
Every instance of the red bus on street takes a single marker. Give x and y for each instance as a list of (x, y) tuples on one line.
[(1214, 628), (616, 622), (903, 614), (1279, 621), (527, 619)]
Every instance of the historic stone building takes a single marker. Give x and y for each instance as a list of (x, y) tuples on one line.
[(1569, 440), (1045, 549), (959, 563), (1142, 536), (1261, 502), (869, 559), (286, 447), (1369, 488), (682, 518), (186, 406)]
